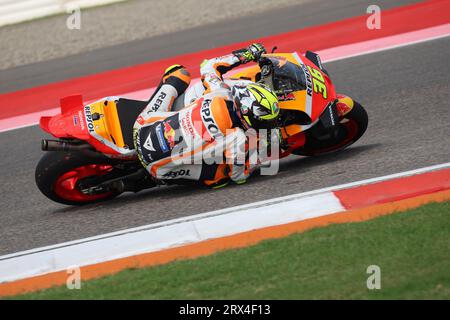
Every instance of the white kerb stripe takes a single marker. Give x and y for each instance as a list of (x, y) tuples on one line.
[(169, 236), (253, 205)]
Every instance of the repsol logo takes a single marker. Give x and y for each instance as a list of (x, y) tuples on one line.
[(89, 122), (177, 174), (208, 120), (309, 90), (159, 100)]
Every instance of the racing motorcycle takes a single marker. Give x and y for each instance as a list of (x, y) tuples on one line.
[(93, 159)]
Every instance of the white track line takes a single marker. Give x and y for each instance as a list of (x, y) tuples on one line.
[(388, 43)]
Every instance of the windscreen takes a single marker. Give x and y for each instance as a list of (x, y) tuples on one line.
[(287, 76)]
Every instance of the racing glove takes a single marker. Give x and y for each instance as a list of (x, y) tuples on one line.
[(251, 53)]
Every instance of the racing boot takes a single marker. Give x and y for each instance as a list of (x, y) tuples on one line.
[(220, 177), (175, 81)]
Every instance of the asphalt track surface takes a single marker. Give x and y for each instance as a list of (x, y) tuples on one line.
[(406, 92)]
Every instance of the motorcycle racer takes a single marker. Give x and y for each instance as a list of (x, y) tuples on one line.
[(180, 145)]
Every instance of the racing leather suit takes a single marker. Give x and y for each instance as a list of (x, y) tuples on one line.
[(182, 145)]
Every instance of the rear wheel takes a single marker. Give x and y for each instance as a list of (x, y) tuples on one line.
[(59, 176), (351, 127)]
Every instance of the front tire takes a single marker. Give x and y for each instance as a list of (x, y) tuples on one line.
[(351, 128), (58, 175)]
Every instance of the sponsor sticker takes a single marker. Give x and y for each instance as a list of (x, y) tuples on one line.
[(148, 144), (186, 123), (88, 115), (309, 84), (208, 119), (80, 116), (343, 108), (286, 97), (160, 99), (177, 174), (169, 134), (161, 140)]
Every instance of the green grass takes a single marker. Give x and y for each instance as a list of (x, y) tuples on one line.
[(412, 249)]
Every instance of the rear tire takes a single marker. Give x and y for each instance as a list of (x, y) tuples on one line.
[(351, 128), (55, 165)]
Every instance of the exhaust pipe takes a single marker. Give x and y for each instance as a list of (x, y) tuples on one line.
[(58, 145)]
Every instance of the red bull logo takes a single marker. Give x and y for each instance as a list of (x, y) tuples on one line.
[(344, 105), (169, 134)]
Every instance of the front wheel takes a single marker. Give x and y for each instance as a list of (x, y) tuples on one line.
[(59, 176), (350, 129)]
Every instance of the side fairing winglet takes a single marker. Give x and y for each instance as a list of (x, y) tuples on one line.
[(70, 102), (315, 58)]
